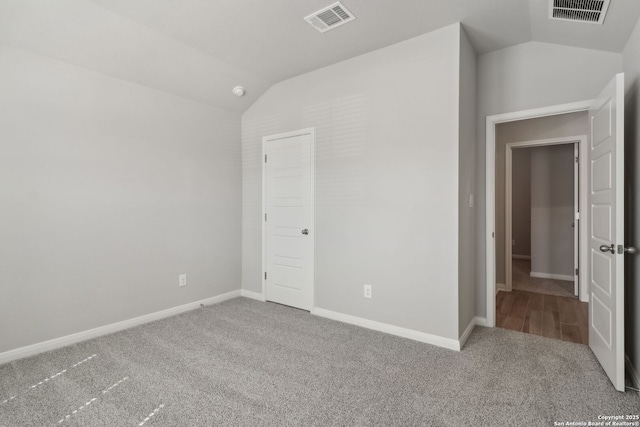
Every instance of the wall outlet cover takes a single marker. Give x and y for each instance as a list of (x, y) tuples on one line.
[(367, 291), (182, 280)]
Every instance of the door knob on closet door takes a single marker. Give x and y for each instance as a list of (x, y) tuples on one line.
[(606, 248), (305, 231)]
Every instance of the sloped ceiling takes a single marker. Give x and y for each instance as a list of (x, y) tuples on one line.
[(201, 49)]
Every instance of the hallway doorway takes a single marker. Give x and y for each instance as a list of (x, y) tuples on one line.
[(540, 227)]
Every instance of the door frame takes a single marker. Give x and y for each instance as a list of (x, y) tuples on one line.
[(490, 189), (581, 206), (266, 139)]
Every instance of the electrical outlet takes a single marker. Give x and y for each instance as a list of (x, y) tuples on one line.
[(367, 291), (182, 280)]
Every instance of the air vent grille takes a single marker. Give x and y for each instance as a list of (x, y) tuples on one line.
[(330, 17), (590, 11)]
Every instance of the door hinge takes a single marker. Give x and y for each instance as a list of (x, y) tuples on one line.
[(265, 275), (265, 158), (577, 215), (577, 159), (577, 271), (265, 216)]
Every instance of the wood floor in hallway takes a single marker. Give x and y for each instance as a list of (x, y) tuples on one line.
[(551, 316)]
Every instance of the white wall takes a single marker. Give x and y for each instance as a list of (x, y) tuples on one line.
[(556, 126), (386, 180), (526, 76), (467, 184), (108, 191), (552, 210), (521, 201), (632, 199)]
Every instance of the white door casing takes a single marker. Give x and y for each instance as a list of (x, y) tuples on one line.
[(490, 196), (288, 232), (606, 230)]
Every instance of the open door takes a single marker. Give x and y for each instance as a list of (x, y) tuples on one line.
[(606, 230)]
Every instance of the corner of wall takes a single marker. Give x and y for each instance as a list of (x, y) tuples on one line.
[(466, 181)]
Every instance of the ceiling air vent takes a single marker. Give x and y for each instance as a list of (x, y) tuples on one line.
[(590, 11), (330, 17)]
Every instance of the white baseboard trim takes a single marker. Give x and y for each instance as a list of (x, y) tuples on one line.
[(55, 343), (480, 321), (552, 276), (513, 256), (632, 373), (500, 287), (436, 340), (253, 295), (476, 321), (467, 332)]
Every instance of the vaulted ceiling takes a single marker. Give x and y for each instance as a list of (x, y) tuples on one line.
[(201, 49)]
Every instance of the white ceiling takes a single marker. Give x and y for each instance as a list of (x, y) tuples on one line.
[(201, 49)]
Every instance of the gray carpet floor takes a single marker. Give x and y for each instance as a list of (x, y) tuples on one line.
[(247, 363), (522, 281)]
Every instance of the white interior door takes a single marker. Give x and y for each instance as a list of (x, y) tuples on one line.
[(288, 232), (606, 230)]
